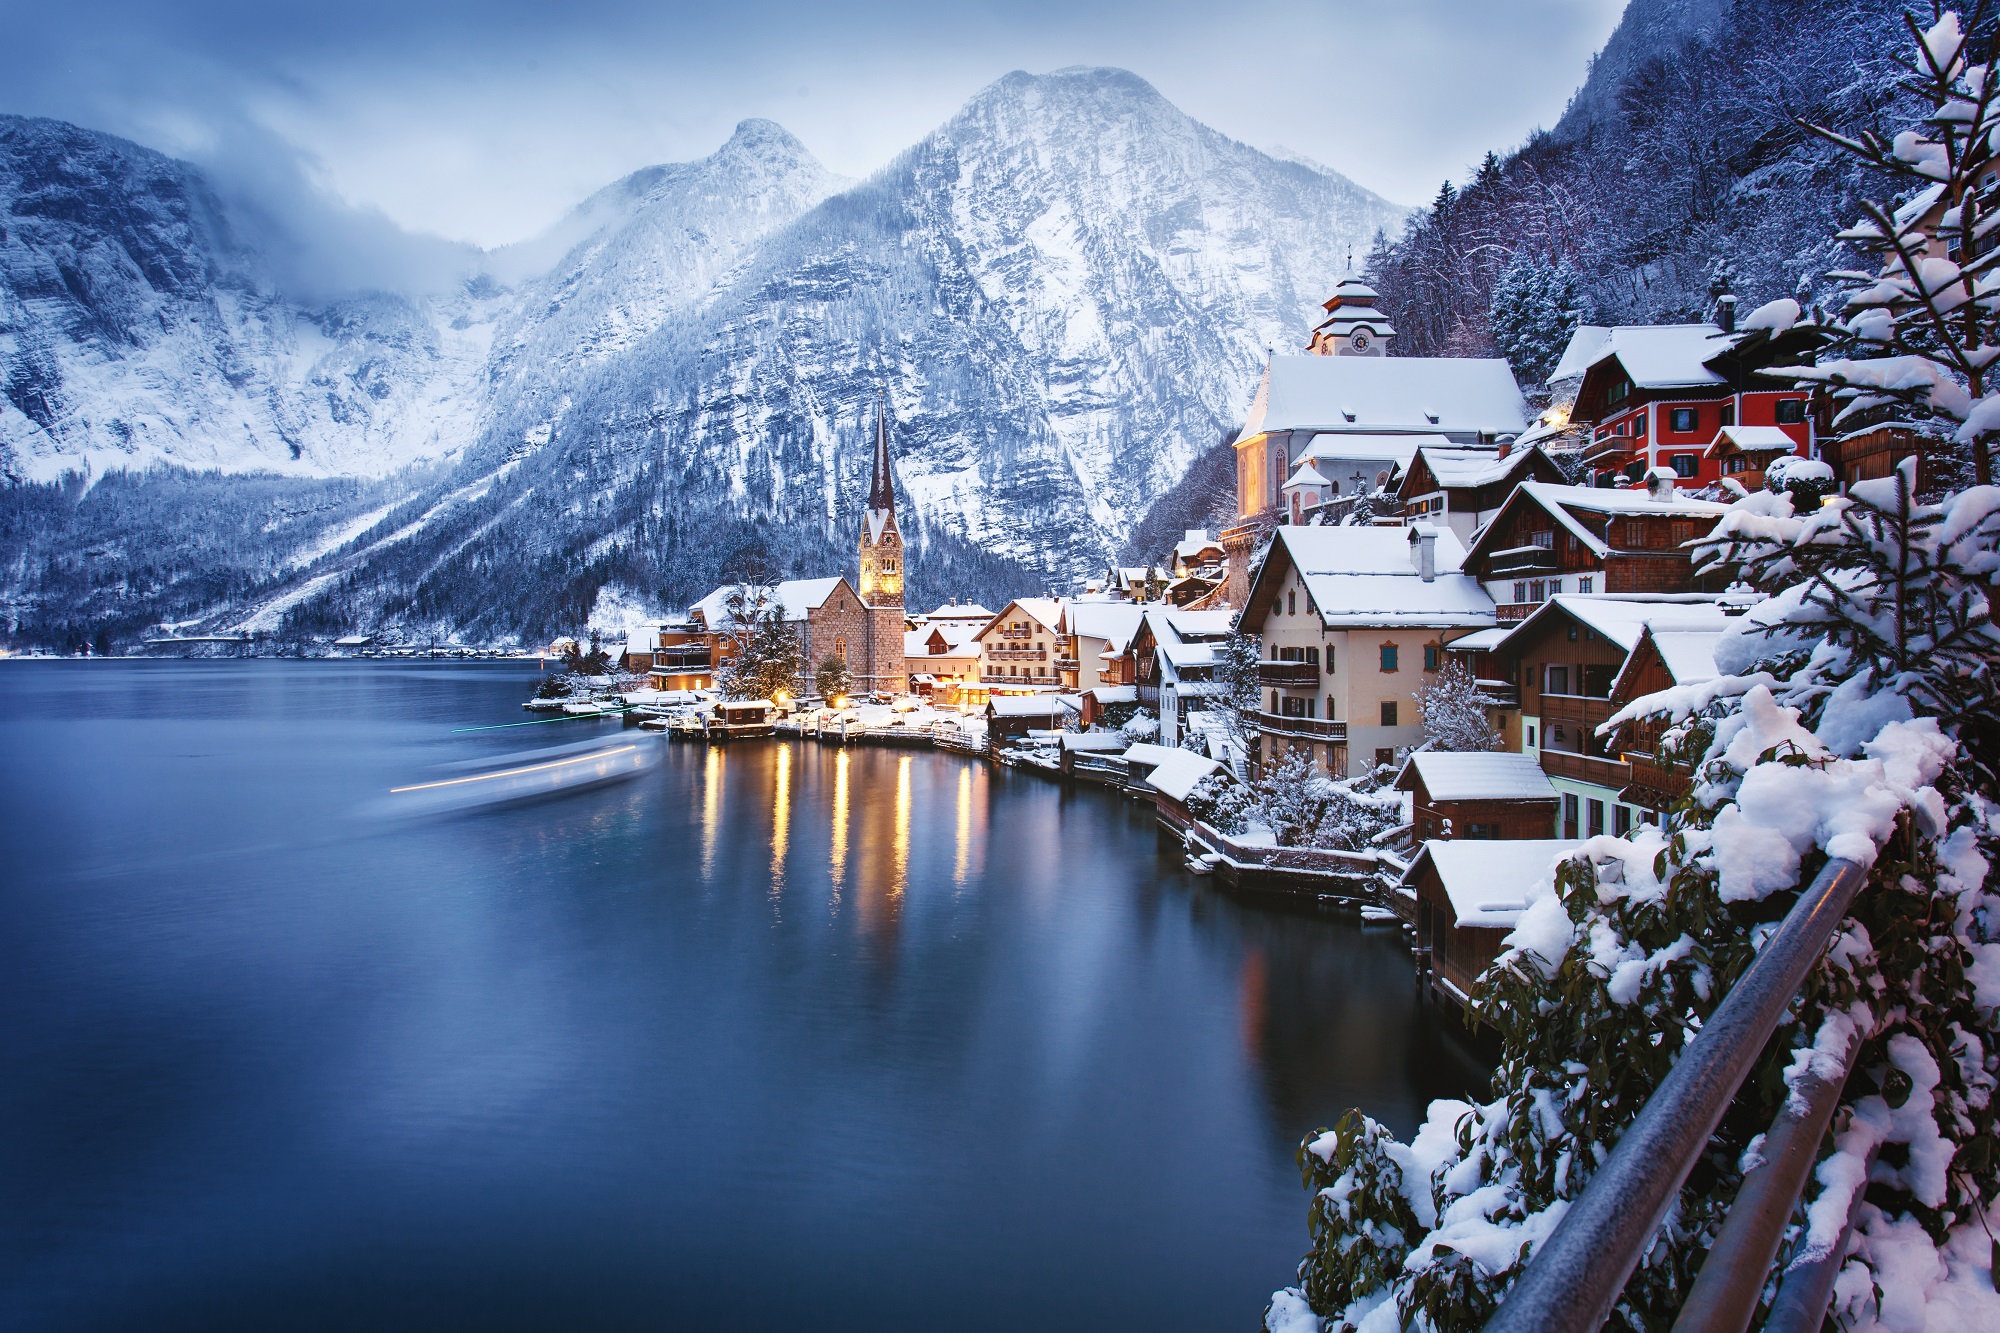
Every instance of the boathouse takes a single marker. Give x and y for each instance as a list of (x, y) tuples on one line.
[(1479, 797), (1469, 896)]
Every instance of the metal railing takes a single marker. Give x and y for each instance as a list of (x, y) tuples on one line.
[(1576, 1276)]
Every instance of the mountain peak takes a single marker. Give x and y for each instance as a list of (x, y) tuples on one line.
[(765, 138)]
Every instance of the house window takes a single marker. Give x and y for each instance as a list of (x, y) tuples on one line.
[(1312, 655), (1291, 603), (1596, 818), (1569, 815), (1685, 465), (1329, 708), (1388, 712), (1520, 592), (1430, 657), (1729, 414), (1618, 390), (1388, 657), (1791, 411), (1685, 420), (1486, 832), (1545, 540), (1639, 425), (1621, 820), (840, 649), (1329, 666), (1586, 583), (1531, 736), (1558, 680), (1538, 590)]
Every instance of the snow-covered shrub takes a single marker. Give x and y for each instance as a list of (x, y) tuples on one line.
[(1222, 803), (1303, 807), (1454, 711), (1141, 726), (1807, 481)]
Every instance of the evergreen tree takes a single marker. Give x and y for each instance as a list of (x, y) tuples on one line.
[(834, 680), (1536, 306)]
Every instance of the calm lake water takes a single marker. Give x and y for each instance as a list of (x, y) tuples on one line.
[(771, 1037)]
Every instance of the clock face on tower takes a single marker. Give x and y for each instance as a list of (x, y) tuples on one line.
[(1359, 342)]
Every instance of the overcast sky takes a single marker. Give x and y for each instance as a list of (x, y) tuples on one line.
[(484, 120)]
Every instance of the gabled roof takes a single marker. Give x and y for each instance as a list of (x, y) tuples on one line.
[(1045, 611), (1486, 881), (1621, 617), (1114, 622), (1178, 773), (1027, 705), (1490, 776), (1344, 446), (1563, 503), (1307, 475), (1396, 394), (795, 596), (1456, 467), (1580, 351), (1687, 654), (1752, 440), (1194, 542), (966, 611), (1368, 577), (1664, 356)]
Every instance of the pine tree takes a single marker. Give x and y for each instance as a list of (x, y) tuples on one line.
[(834, 680), (1536, 306)]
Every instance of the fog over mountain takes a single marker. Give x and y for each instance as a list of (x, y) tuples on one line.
[(1062, 293)]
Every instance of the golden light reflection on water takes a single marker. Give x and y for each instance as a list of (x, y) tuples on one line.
[(711, 808), (781, 821), (899, 875), (964, 826), (837, 870)]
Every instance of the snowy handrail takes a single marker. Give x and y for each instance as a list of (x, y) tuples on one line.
[(1577, 1274)]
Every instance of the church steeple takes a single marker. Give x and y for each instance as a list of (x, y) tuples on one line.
[(882, 485)]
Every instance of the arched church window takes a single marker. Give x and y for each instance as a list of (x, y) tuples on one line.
[(840, 649)]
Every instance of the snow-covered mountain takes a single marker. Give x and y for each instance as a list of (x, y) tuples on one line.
[(1064, 291)]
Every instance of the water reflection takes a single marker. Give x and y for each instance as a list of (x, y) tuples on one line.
[(837, 859), (899, 876), (781, 822), (964, 825), (711, 809)]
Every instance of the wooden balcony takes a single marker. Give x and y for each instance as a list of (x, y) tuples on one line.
[(1018, 654), (1581, 710), (1654, 785), (1518, 560), (1611, 773), (1288, 675), (1304, 728), (1066, 664), (1500, 693)]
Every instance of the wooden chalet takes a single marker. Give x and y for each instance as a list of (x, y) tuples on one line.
[(1469, 896), (1662, 659), (1548, 540), (1462, 488), (1478, 797)]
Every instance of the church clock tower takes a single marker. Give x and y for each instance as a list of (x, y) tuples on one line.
[(882, 664)]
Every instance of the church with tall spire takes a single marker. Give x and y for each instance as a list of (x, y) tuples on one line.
[(881, 666)]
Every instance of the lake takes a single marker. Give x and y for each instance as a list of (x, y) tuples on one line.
[(773, 1036)]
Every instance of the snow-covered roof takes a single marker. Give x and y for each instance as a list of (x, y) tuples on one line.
[(965, 611), (1114, 622), (1368, 576), (1184, 655), (642, 639), (1177, 774), (1480, 641), (1486, 881), (1097, 741), (795, 596), (1580, 351), (1664, 356), (1562, 503), (1195, 542), (1494, 776), (1373, 394), (1455, 466), (1688, 654), (1046, 611), (1752, 440), (1115, 694), (1347, 446), (1306, 475), (1623, 617), (1148, 753), (1026, 705)]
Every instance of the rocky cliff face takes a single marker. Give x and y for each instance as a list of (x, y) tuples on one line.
[(1062, 295)]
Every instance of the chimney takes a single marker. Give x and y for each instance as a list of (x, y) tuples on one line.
[(1506, 447), (1660, 485), (1425, 539), (1725, 312)]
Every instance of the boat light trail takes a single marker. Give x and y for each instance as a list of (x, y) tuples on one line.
[(516, 772), (544, 721)]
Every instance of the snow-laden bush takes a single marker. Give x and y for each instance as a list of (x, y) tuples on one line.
[(1222, 803), (1141, 726), (1454, 711), (1303, 807), (1852, 721)]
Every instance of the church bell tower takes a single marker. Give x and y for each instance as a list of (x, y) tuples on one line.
[(883, 667)]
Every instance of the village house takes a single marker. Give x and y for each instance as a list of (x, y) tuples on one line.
[(1548, 540), (1460, 488), (1566, 658), (1097, 635), (1663, 658), (1357, 417), (1019, 649), (1489, 795), (1467, 897), (1658, 396), (827, 614), (1010, 717), (674, 655), (1352, 621), (1173, 662), (942, 657)]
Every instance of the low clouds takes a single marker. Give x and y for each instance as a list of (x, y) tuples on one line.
[(337, 131)]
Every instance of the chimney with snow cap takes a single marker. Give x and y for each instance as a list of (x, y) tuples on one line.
[(1506, 446), (1424, 547), (1725, 312), (1660, 485)]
